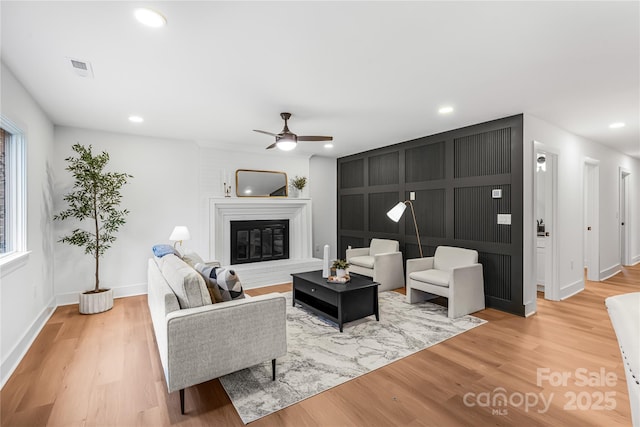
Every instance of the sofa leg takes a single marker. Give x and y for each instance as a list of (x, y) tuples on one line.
[(182, 401), (273, 368)]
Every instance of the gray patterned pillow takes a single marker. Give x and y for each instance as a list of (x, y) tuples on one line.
[(224, 279)]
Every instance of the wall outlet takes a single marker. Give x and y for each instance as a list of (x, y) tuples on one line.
[(412, 195), (504, 219), (572, 264), (497, 193)]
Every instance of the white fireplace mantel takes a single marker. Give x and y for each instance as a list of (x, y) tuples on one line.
[(224, 210)]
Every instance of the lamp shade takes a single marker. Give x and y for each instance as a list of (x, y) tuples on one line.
[(179, 233), (396, 212), (286, 143)]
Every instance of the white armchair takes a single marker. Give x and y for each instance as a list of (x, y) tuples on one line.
[(382, 261), (453, 273), (624, 311)]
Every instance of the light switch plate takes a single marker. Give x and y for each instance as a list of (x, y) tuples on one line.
[(504, 219), (497, 193), (412, 195)]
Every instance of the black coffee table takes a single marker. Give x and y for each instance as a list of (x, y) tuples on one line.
[(341, 303)]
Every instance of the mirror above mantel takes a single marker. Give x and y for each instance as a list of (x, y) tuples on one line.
[(259, 183)]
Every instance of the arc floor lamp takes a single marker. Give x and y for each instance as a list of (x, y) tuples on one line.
[(395, 213)]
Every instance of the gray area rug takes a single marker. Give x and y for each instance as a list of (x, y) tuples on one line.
[(320, 357)]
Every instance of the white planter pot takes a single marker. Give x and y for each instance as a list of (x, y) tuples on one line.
[(96, 303), (340, 272)]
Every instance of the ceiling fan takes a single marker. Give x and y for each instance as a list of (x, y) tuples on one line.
[(287, 140)]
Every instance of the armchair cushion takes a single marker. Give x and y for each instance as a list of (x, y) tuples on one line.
[(434, 277), (362, 261), (447, 258), (381, 246)]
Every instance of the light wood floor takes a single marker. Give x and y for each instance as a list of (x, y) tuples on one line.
[(104, 369)]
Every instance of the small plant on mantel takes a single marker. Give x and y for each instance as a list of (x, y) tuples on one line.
[(96, 198), (299, 182)]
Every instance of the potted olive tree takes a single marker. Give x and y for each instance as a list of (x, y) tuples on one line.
[(94, 199)]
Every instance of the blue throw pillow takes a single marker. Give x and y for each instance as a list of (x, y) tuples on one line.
[(162, 250)]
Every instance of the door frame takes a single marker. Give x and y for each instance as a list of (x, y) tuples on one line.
[(591, 211), (552, 283), (624, 216)]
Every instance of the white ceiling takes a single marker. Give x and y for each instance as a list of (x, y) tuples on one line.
[(369, 73)]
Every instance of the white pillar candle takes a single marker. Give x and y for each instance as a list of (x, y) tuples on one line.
[(325, 262)]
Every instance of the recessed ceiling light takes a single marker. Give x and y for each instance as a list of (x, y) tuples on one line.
[(445, 110), (136, 119), (616, 125), (150, 18), (328, 145)]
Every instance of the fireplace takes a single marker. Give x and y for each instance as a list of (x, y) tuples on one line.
[(259, 240), (223, 211)]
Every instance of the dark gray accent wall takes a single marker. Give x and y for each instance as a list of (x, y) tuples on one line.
[(452, 174)]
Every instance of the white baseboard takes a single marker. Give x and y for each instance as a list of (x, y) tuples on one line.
[(572, 289), (635, 260), (10, 363), (530, 309), (610, 272), (119, 292)]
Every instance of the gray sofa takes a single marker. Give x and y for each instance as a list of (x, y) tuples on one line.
[(199, 341)]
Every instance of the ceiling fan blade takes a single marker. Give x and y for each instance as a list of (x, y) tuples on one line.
[(265, 132), (315, 138), (271, 146)]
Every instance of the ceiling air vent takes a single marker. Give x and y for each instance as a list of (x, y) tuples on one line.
[(81, 68)]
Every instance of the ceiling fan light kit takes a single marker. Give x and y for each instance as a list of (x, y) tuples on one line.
[(286, 144), (287, 140)]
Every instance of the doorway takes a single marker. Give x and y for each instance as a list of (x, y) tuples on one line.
[(625, 236), (591, 223), (545, 217)]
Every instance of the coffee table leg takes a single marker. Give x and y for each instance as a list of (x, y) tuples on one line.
[(375, 303), (340, 311)]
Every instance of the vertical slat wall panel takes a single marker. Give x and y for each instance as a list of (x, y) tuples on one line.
[(354, 242), (383, 169), (452, 175), (430, 213), (475, 205), (482, 154), (411, 250), (352, 174), (352, 212), (497, 271), (382, 202), (425, 163)]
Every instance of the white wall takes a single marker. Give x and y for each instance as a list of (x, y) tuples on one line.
[(323, 186), (173, 181), (26, 291), (572, 151), (162, 193)]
